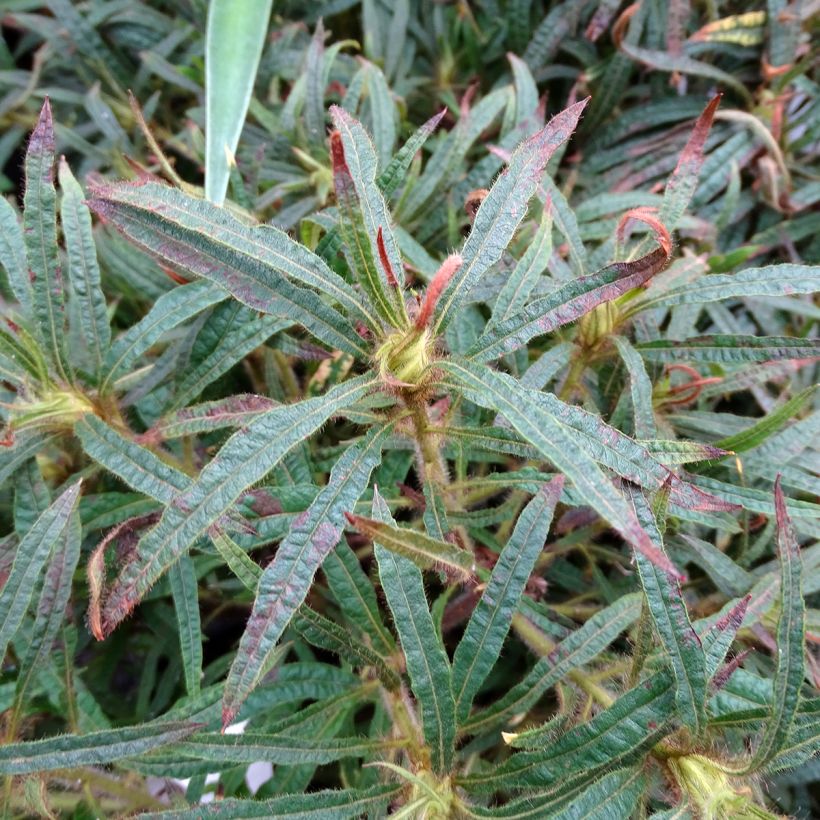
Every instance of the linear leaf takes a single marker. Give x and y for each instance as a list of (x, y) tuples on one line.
[(424, 551), (555, 442), (615, 737), (330, 804), (640, 386), (356, 597), (184, 592), (513, 296), (286, 580), (248, 456), (426, 659), (480, 646), (568, 303), (40, 236), (259, 264), (668, 610), (30, 558), (578, 648), (502, 210), (234, 39), (393, 175), (788, 676), (13, 255), (729, 349), (51, 607), (136, 465), (83, 270), (92, 749), (169, 311), (614, 797), (233, 411), (770, 280)]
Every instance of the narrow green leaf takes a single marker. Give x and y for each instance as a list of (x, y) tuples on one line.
[(771, 280), (184, 592), (668, 610), (248, 456), (83, 270), (51, 607), (566, 304), (286, 580), (364, 222), (427, 663), (788, 676), (259, 264), (480, 646), (555, 442), (421, 549), (640, 386), (614, 797), (729, 349), (234, 39), (578, 648), (40, 236), (92, 749), (169, 311), (394, 174), (30, 558), (330, 804), (13, 255), (356, 597), (136, 465), (502, 210), (617, 736), (525, 274), (239, 562)]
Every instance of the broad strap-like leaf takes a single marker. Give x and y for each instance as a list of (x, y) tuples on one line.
[(169, 311), (566, 304), (286, 580), (247, 457), (480, 646), (427, 663), (555, 441), (260, 266), (423, 550), (729, 349), (613, 797), (235, 36), (83, 270), (331, 804), (681, 644), (40, 236), (502, 210), (578, 648), (30, 558), (92, 749), (788, 676)]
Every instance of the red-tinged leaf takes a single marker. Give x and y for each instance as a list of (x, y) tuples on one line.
[(442, 277), (385, 261), (649, 217), (684, 179)]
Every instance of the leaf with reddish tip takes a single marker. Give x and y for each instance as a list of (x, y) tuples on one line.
[(566, 304), (719, 637), (259, 265), (247, 457), (434, 290), (680, 641), (790, 636), (502, 210), (286, 580), (40, 236), (555, 441), (684, 179)]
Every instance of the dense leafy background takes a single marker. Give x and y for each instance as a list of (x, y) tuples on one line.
[(313, 479)]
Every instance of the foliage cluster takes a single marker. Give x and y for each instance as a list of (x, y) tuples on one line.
[(439, 439)]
